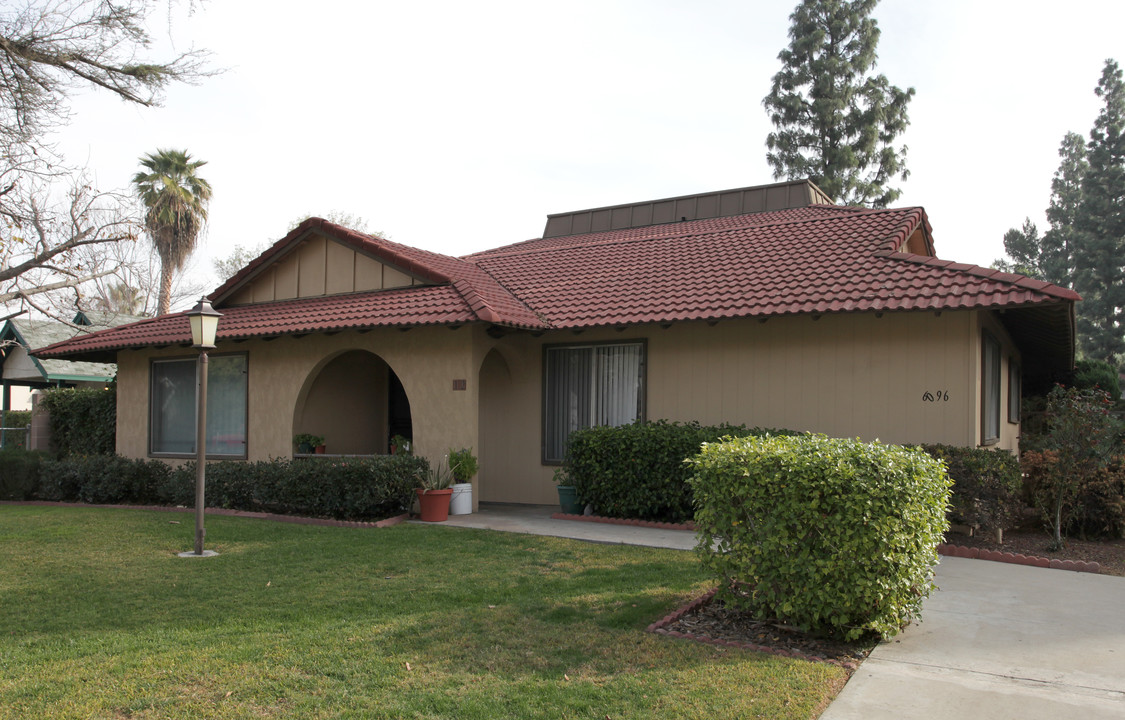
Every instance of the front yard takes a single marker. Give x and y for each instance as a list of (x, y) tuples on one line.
[(102, 620)]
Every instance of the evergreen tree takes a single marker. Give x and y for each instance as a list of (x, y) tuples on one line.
[(835, 121), (1100, 256), (1050, 256)]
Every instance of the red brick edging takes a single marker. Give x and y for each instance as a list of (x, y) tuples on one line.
[(1017, 559), (295, 519)]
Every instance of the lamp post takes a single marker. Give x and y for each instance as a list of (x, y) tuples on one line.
[(204, 324)]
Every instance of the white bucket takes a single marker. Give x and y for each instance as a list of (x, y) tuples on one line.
[(462, 501)]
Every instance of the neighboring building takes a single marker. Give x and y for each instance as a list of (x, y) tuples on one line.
[(766, 306)]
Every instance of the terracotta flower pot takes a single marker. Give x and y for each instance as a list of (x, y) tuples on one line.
[(434, 504)]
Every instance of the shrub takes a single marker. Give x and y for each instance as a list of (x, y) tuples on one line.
[(637, 471), (987, 485), (1096, 507), (346, 489), (835, 537), (1097, 375), (102, 479), (1084, 437), (83, 421), (14, 434), (19, 473)]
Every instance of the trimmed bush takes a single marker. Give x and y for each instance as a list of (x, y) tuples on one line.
[(102, 480), (1097, 375), (19, 474), (987, 485), (835, 537), (346, 489), (637, 471), (83, 421)]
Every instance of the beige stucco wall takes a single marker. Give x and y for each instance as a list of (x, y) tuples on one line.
[(843, 375), (426, 360)]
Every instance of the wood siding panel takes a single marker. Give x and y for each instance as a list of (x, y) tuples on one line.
[(311, 259), (340, 269), (393, 278), (285, 278), (368, 273), (263, 287)]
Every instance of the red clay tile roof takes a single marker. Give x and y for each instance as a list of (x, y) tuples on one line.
[(818, 259)]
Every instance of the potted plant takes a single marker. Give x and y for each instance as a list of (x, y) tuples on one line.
[(463, 465), (568, 494), (400, 445), (308, 443), (434, 493)]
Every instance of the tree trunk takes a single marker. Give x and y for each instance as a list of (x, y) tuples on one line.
[(164, 298)]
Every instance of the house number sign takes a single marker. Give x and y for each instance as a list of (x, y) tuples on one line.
[(936, 396)]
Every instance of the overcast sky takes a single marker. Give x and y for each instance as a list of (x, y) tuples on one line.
[(457, 126)]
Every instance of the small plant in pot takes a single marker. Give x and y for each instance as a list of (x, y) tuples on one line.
[(568, 495), (463, 465), (307, 443), (434, 492)]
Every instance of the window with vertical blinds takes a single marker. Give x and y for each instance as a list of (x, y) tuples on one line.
[(990, 390), (587, 385), (173, 406)]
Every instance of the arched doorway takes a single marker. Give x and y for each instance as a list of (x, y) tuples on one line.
[(356, 402)]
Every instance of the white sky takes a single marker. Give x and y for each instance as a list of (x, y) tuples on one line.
[(456, 126)]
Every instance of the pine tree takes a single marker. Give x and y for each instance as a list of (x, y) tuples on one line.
[(835, 121), (1100, 256), (1050, 257)]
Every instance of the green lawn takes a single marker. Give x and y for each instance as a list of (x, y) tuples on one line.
[(102, 620)]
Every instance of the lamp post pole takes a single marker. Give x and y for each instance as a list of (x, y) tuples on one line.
[(204, 323), (201, 452)]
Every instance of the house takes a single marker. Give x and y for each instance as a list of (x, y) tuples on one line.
[(22, 372), (766, 305)]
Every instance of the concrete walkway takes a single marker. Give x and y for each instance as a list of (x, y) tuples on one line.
[(996, 641)]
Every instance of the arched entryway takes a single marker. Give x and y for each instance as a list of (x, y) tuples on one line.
[(356, 402)]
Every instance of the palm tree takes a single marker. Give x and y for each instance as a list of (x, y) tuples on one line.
[(175, 201)]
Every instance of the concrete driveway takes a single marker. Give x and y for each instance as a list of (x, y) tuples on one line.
[(1000, 641)]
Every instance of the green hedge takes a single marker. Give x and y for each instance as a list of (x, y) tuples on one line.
[(83, 421), (345, 489), (836, 537), (19, 473), (637, 471), (987, 485)]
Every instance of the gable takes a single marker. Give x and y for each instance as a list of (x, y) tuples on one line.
[(317, 266)]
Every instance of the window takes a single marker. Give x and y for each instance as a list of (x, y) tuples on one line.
[(1015, 390), (587, 385), (990, 390), (173, 405)]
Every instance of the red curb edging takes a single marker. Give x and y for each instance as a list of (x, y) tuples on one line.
[(294, 519), (659, 628), (1016, 559), (621, 521)]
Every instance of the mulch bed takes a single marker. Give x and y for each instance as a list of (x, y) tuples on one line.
[(1109, 554)]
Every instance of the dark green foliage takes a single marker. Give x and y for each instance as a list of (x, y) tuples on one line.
[(19, 473), (835, 121), (1099, 273), (836, 537), (1100, 505), (637, 471), (17, 438), (1082, 438), (1097, 375), (1023, 247), (83, 422), (345, 489), (987, 485), (102, 479)]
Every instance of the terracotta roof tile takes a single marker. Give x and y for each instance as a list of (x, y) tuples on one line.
[(817, 259)]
